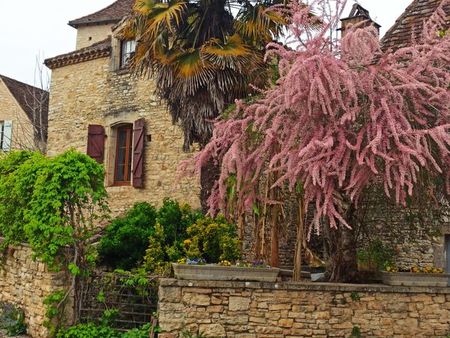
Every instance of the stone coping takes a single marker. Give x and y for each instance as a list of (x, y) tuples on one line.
[(303, 286)]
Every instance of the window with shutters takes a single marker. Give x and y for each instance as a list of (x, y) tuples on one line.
[(124, 151), (5, 135)]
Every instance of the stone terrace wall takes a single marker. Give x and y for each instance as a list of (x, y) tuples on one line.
[(25, 283), (251, 310)]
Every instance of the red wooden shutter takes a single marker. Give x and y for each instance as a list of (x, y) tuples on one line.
[(96, 142), (138, 153)]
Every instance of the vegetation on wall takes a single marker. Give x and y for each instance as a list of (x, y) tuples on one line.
[(55, 206)]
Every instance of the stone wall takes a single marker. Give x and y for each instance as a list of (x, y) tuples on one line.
[(92, 93), (25, 283), (251, 310), (88, 35)]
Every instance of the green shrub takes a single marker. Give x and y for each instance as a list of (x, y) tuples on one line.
[(123, 246), (142, 332), (15, 193), (376, 256), (12, 319), (166, 243), (213, 239), (89, 330)]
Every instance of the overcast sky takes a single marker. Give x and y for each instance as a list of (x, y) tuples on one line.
[(30, 29)]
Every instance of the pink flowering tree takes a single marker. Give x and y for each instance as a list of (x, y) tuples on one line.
[(342, 116)]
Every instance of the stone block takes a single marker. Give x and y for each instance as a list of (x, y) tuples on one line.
[(238, 303), (212, 330)]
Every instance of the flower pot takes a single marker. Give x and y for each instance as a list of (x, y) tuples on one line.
[(416, 279), (218, 272)]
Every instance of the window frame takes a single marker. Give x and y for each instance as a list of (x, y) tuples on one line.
[(128, 156), (2, 134), (125, 54)]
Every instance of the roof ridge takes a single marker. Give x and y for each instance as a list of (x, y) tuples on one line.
[(110, 14), (24, 94)]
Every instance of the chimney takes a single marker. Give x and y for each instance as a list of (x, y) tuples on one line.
[(357, 15)]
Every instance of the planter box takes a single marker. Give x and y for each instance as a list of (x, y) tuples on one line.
[(217, 272), (416, 279)]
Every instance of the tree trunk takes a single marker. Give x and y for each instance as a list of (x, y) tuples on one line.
[(274, 242), (342, 243), (208, 177), (299, 241)]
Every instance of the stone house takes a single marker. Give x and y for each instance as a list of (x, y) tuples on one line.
[(23, 116), (98, 106)]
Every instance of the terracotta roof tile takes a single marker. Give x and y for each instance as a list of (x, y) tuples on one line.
[(410, 23), (111, 14), (28, 97), (95, 51)]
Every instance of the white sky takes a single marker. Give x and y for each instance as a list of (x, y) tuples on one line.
[(31, 29)]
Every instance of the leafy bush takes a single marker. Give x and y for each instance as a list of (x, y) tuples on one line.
[(89, 330), (126, 238), (213, 239), (376, 256), (142, 332), (166, 243), (14, 197), (50, 202), (12, 319)]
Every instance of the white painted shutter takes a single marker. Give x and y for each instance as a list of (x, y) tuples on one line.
[(7, 135)]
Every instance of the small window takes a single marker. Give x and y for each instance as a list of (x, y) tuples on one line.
[(5, 135), (124, 149), (127, 49)]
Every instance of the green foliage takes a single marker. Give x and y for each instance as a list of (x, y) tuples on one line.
[(356, 332), (166, 243), (213, 239), (15, 193), (126, 238), (142, 332), (12, 319), (50, 203), (89, 330), (355, 296), (376, 256)]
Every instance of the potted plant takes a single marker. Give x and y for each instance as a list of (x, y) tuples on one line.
[(427, 276), (224, 270), (215, 241)]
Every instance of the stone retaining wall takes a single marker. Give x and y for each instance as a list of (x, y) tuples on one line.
[(251, 309), (25, 283)]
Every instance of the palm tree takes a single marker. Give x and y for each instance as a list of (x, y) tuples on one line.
[(203, 55)]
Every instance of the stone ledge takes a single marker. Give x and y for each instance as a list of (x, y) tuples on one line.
[(304, 286)]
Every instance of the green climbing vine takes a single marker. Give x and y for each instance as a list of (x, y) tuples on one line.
[(54, 204)]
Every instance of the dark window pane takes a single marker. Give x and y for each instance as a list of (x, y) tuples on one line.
[(124, 150)]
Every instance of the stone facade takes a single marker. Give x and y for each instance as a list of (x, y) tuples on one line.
[(22, 128), (254, 310), (89, 35), (25, 283), (91, 92)]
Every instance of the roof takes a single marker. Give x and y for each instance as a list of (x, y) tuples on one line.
[(28, 97), (410, 23), (95, 51), (111, 14)]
